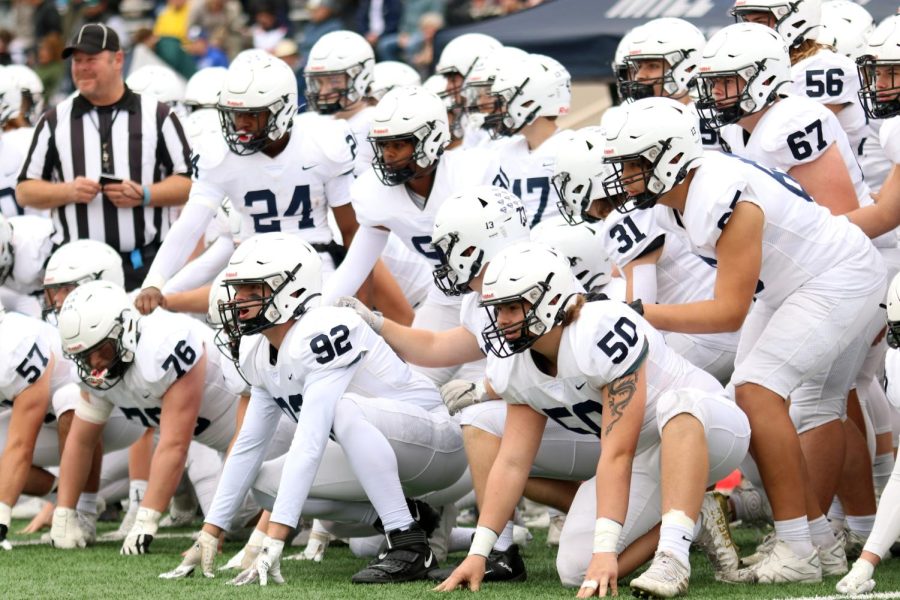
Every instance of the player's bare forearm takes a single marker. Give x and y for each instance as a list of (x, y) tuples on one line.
[(165, 474)]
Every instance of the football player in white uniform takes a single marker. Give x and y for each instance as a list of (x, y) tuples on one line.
[(334, 377), (25, 247), (582, 244), (655, 414), (161, 371), (657, 266), (887, 520), (529, 94), (281, 172), (410, 180), (770, 242), (388, 74), (11, 155)]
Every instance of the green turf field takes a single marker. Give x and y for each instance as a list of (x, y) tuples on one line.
[(39, 572)]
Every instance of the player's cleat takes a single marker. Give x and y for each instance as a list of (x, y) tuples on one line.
[(666, 577), (406, 558), (500, 566), (780, 565), (714, 537), (853, 543), (762, 550), (833, 559), (755, 508), (88, 523), (859, 580)]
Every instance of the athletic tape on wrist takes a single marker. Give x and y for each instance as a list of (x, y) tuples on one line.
[(606, 535)]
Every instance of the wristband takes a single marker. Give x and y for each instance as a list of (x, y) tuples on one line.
[(146, 201), (606, 535), (483, 541)]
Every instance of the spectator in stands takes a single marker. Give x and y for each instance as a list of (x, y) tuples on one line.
[(50, 67), (429, 25), (173, 21), (288, 51), (462, 12), (6, 38), (46, 19), (96, 11), (208, 48), (375, 18), (324, 17), (267, 29), (408, 40), (225, 16)]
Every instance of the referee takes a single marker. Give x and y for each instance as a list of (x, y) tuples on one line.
[(107, 162)]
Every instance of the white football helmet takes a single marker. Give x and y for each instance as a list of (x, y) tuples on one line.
[(675, 42), (846, 26), (750, 63), (389, 74), (476, 91), (536, 86), (257, 82), (795, 20), (77, 263), (416, 115), (438, 85), (202, 90), (338, 54), (661, 133), (287, 265), (526, 273), (159, 81), (579, 175), (227, 343), (7, 256), (893, 313), (10, 98), (879, 71), (470, 228), (582, 244), (460, 55), (31, 91), (619, 67), (95, 314)]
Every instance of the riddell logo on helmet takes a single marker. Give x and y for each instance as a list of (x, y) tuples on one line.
[(230, 275), (379, 131), (705, 69), (607, 151), (316, 68), (564, 110), (76, 347), (234, 103), (487, 296)]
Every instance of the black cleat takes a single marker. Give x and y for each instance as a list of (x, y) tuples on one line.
[(406, 558), (500, 566)]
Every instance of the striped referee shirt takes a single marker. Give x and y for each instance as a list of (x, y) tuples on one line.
[(146, 144)]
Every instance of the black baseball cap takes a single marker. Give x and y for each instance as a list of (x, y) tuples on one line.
[(93, 38)]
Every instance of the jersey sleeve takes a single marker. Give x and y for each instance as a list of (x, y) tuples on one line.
[(800, 138), (364, 192), (168, 349), (26, 358), (336, 341), (889, 136), (498, 375), (627, 237), (609, 342), (705, 224)]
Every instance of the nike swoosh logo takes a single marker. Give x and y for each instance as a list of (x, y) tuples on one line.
[(583, 383), (686, 538), (307, 168), (429, 560)]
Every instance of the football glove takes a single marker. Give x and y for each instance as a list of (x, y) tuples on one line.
[(373, 319), (65, 532), (459, 393), (202, 553), (5, 519), (267, 565), (315, 548), (141, 535)]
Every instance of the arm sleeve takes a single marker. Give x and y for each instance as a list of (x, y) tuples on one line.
[(367, 246), (246, 456), (204, 268), (179, 243), (305, 454)]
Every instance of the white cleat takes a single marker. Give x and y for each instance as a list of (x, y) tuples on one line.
[(833, 559), (315, 548), (780, 565), (853, 542), (858, 580), (762, 550), (714, 537), (665, 578), (88, 524)]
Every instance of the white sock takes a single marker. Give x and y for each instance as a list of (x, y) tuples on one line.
[(861, 525), (821, 533), (882, 467), (506, 538), (795, 533), (676, 534), (136, 490), (87, 503), (836, 515), (460, 539)]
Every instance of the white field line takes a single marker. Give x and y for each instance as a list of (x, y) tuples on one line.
[(100, 540), (871, 596)]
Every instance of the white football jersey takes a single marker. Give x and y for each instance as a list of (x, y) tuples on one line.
[(14, 147), (889, 138), (528, 173), (801, 239), (26, 347), (392, 207), (32, 248), (325, 339), (290, 192), (681, 275), (608, 341), (168, 346), (474, 318), (360, 123)]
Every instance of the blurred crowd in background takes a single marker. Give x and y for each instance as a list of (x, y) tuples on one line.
[(192, 34)]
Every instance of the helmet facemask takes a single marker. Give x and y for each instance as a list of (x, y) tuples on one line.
[(404, 170), (336, 99), (7, 260), (892, 335), (446, 278), (528, 330), (244, 143), (884, 102), (733, 107), (616, 184), (575, 201), (632, 89), (501, 123), (121, 359)]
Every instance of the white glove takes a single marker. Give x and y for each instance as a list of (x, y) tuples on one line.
[(5, 519), (268, 564), (859, 580), (315, 548), (141, 535), (244, 559), (202, 553), (65, 532), (459, 393), (373, 319)]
